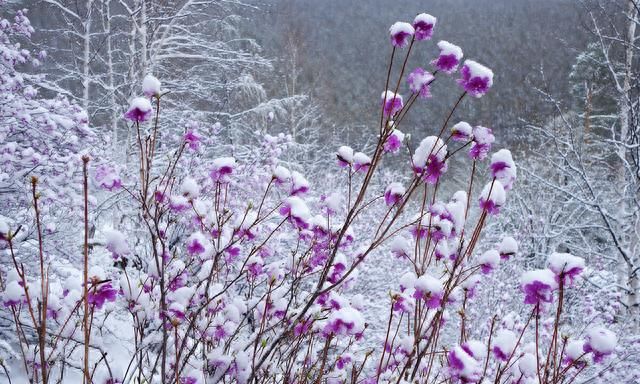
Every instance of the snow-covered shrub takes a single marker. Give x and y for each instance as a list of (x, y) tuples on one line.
[(245, 271)]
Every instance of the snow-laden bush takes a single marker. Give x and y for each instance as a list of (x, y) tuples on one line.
[(245, 271)]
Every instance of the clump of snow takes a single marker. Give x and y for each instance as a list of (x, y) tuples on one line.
[(151, 86), (504, 343), (189, 188), (508, 247), (446, 48)]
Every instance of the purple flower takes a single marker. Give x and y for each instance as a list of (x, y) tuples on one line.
[(423, 25), (601, 341), (394, 141), (361, 162), (97, 296), (297, 211), (195, 244), (462, 132), (462, 366), (107, 177), (503, 168), (566, 266), (222, 169), (476, 78), (401, 34), (430, 290), (192, 139), (393, 194), (504, 343), (419, 81), (449, 58), (392, 103), (482, 139), (492, 197), (538, 286), (139, 110), (345, 156)]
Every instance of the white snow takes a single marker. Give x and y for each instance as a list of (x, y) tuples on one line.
[(574, 349), (463, 129), (446, 48), (298, 208), (346, 153), (190, 188), (395, 188), (401, 27), (151, 86), (478, 70), (527, 365), (564, 262), (601, 340), (427, 283), (490, 258), (361, 159), (281, 174), (429, 145), (508, 245), (505, 340), (141, 103), (544, 276), (116, 241), (494, 191), (425, 18)]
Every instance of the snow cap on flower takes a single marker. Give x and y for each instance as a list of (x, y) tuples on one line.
[(391, 102), (345, 321), (476, 78), (345, 156), (503, 168), (139, 110), (573, 351), (299, 184), (400, 34), (538, 286), (419, 81), (393, 193), (394, 141), (361, 162), (429, 289), (4, 229), (107, 177), (189, 188), (297, 211), (13, 294), (462, 131), (192, 139), (482, 139), (489, 260), (475, 349), (527, 365), (504, 344), (400, 247), (449, 58), (601, 341), (565, 265), (463, 366), (423, 25), (222, 169), (116, 242), (281, 175), (508, 247), (492, 197), (151, 86), (429, 159)]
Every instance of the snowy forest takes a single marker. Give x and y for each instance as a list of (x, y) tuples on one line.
[(320, 191)]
